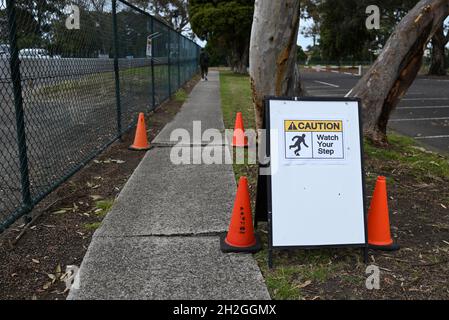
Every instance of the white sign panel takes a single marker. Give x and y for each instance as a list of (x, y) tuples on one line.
[(316, 173), (149, 47)]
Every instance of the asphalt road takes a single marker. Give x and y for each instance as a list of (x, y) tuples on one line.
[(423, 113)]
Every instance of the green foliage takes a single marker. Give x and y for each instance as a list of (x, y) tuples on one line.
[(392, 13), (342, 30), (92, 226), (173, 12), (302, 57), (315, 56), (34, 20), (181, 95), (236, 97), (227, 19), (103, 207), (417, 160), (41, 24), (226, 25), (217, 55)]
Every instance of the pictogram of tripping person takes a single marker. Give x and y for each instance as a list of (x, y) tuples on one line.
[(299, 140)]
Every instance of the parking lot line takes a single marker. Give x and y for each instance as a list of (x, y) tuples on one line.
[(432, 137), (328, 84), (318, 87), (419, 119), (423, 99), (328, 90), (423, 107), (437, 80)]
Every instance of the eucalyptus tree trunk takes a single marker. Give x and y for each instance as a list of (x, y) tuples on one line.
[(438, 60), (273, 51), (396, 68)]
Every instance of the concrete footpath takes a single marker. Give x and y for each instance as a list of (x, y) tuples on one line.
[(160, 240)]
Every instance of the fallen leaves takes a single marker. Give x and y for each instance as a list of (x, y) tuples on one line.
[(109, 160), (92, 185), (49, 226), (57, 275), (61, 211), (73, 208), (305, 284)]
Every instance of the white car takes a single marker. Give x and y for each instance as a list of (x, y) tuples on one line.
[(34, 53), (4, 51)]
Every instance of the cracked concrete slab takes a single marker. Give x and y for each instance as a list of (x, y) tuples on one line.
[(167, 268), (162, 198)]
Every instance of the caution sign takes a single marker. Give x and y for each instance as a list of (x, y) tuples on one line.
[(314, 139), (315, 194)]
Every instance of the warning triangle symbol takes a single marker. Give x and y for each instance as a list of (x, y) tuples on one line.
[(292, 127)]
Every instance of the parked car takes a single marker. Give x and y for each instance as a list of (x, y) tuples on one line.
[(4, 51), (34, 53)]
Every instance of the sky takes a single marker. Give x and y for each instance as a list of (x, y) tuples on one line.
[(302, 41)]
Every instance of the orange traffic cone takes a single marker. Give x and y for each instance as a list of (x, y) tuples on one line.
[(379, 236), (239, 139), (140, 140), (241, 236)]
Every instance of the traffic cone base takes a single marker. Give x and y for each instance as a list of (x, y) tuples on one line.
[(226, 247), (134, 148), (379, 236), (140, 140), (389, 247)]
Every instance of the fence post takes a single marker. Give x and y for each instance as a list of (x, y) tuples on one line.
[(116, 69), (18, 104), (169, 63), (153, 94), (179, 61)]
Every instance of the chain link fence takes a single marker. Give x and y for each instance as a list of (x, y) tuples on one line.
[(74, 74)]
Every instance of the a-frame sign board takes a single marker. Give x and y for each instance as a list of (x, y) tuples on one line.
[(314, 193)]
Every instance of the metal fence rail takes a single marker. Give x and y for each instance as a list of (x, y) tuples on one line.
[(68, 91)]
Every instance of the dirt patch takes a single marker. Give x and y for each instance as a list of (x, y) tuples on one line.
[(32, 268)]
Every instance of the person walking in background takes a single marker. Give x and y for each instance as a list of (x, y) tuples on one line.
[(204, 64)]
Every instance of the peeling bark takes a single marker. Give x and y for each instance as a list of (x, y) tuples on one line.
[(273, 51), (394, 71)]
